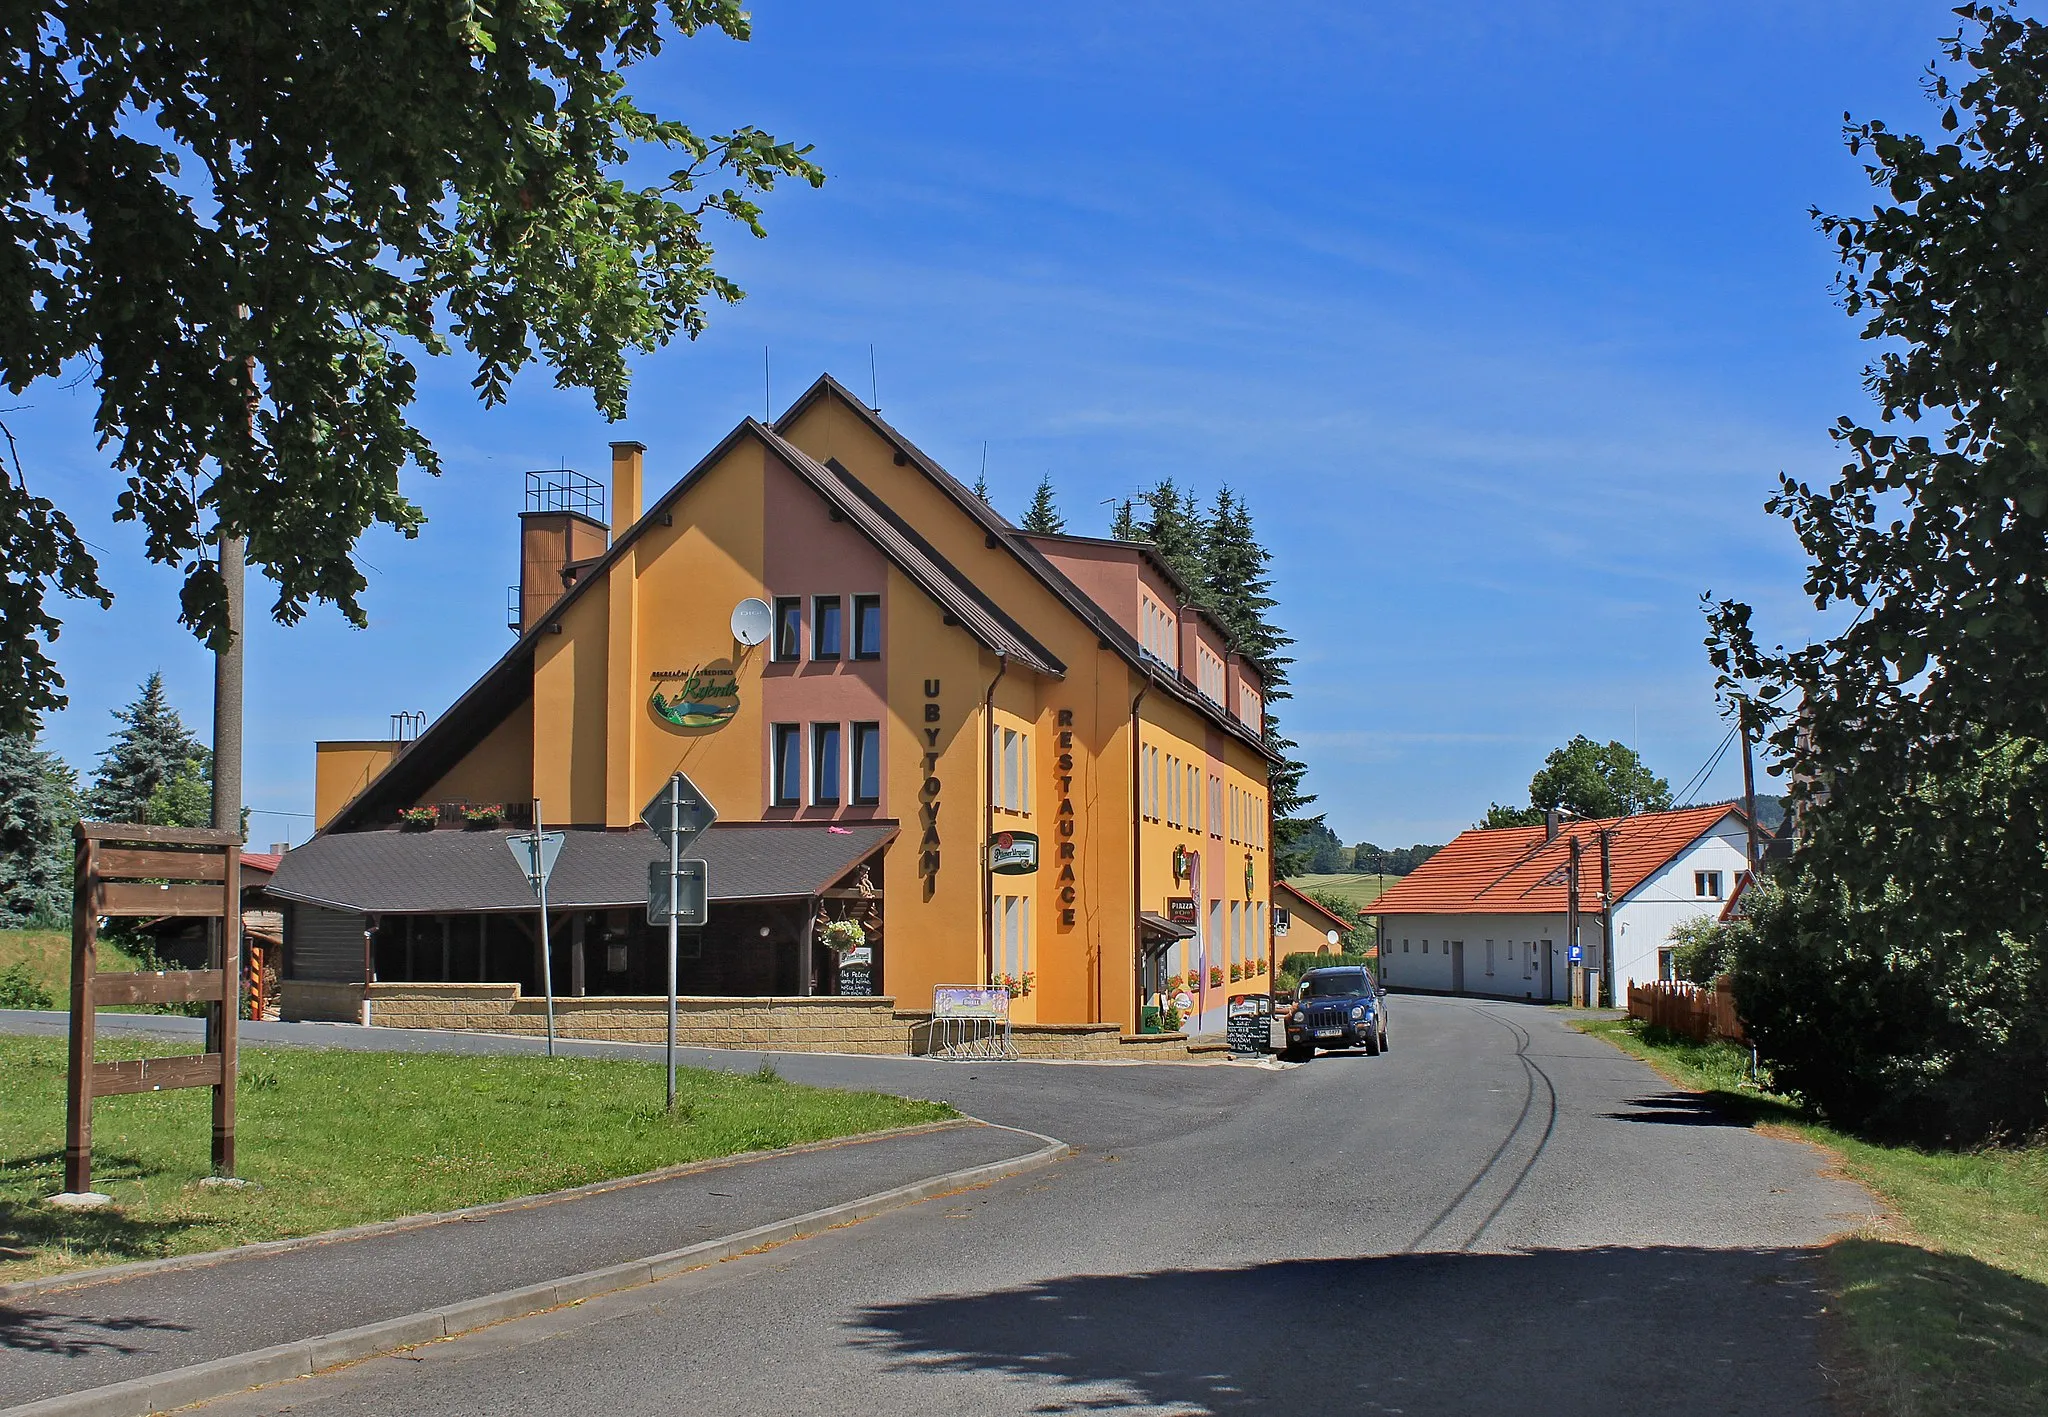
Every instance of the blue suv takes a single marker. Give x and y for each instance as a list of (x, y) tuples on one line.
[(1342, 1007)]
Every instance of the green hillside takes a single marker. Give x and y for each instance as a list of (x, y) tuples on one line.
[(1356, 888)]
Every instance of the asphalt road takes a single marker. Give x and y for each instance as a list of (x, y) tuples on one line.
[(1499, 1215)]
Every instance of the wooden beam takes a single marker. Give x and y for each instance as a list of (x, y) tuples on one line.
[(123, 898), (171, 986), (169, 836), (156, 1074), (127, 863)]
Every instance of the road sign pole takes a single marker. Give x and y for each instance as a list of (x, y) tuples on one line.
[(675, 900), (547, 962)]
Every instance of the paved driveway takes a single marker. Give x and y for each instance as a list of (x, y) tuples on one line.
[(1499, 1215)]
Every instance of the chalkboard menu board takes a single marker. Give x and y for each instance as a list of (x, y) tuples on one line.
[(856, 979), (1250, 1032)]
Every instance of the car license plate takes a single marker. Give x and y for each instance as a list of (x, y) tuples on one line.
[(1329, 1033)]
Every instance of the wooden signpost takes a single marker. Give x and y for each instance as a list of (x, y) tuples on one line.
[(141, 872)]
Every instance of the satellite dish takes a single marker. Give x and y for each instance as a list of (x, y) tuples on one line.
[(1332, 936), (751, 621)]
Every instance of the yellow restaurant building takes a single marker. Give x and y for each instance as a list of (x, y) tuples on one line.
[(1010, 759)]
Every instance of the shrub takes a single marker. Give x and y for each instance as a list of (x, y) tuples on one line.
[(1884, 999), (1703, 950), (20, 989)]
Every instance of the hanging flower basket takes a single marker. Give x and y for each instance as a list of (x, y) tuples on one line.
[(1215, 976), (418, 818), (844, 936)]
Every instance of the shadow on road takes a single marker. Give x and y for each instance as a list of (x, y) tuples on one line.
[(1564, 1331), (1682, 1109), (68, 1335)]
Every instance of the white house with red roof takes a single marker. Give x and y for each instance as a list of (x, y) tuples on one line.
[(1488, 914)]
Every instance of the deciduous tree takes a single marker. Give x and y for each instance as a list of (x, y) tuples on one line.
[(1900, 977), (243, 223), (1587, 779)]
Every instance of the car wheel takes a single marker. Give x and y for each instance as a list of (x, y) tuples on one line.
[(1383, 1038), (1372, 1044)]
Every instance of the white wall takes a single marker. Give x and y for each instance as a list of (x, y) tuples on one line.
[(1416, 952), (1646, 916)]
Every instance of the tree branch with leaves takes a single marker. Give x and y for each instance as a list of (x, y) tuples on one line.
[(247, 223)]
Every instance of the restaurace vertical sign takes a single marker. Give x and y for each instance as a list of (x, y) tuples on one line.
[(1063, 768)]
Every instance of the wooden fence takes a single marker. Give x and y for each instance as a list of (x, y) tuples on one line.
[(1692, 1010)]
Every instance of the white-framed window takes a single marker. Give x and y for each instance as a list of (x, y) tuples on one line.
[(1215, 806), (1250, 707), (1012, 945), (1209, 673), (1666, 965), (1172, 790), (1159, 631), (1010, 749), (1194, 821), (1706, 885)]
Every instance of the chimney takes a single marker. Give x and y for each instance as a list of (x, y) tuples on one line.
[(1551, 819), (626, 465)]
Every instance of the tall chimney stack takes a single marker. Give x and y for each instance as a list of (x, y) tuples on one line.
[(626, 470), (1551, 821)]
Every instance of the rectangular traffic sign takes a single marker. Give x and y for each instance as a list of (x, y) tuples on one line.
[(536, 855), (679, 808), (694, 887)]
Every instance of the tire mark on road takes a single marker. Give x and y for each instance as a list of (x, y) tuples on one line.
[(1530, 1073), (1531, 1070)]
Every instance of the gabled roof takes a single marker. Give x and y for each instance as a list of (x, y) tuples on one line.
[(509, 682), (1306, 907), (409, 873), (1108, 632), (916, 558), (1514, 871)]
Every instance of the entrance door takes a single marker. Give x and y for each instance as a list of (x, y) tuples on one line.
[(1457, 966), (1549, 967)]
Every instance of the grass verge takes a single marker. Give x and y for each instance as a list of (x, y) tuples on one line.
[(1944, 1308), (336, 1139)]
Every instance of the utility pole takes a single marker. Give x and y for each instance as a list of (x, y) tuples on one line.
[(1607, 912), (1748, 785), (1571, 900)]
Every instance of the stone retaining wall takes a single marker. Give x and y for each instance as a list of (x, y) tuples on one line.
[(782, 1025)]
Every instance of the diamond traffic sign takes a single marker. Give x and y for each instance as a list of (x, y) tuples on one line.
[(694, 886), (536, 856), (679, 808)]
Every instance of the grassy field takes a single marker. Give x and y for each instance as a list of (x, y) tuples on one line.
[(336, 1139), (1944, 1307), (1359, 890)]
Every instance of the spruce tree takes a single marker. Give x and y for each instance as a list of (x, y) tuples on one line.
[(153, 747), (1174, 526), (1236, 587), (38, 804), (1042, 517)]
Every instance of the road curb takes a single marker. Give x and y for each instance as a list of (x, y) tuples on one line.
[(116, 1273), (220, 1377)]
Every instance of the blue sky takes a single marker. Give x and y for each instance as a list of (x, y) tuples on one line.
[(1504, 318)]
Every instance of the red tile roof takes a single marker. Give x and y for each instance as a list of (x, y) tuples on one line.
[(1513, 871), (261, 860)]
